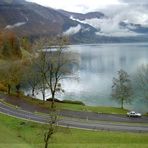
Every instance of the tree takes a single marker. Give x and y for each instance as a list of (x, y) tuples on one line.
[(11, 74), (51, 127), (16, 51), (121, 88), (32, 78), (10, 46), (25, 44), (42, 70), (6, 49), (57, 64), (54, 64)]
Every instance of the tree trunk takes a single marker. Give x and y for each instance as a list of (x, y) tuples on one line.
[(43, 95), (48, 134), (52, 102), (44, 89), (18, 86), (33, 91), (46, 144), (9, 89)]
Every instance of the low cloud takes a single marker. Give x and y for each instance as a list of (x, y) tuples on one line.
[(124, 33), (128, 13), (72, 30)]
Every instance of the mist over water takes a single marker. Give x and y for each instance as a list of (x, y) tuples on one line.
[(98, 65)]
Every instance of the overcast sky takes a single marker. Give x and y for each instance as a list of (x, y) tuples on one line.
[(79, 5)]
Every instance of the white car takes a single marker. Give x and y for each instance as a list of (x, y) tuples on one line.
[(133, 114)]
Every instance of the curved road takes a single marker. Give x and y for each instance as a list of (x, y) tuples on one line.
[(73, 122)]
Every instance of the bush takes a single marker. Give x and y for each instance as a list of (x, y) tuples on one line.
[(55, 100), (73, 102), (66, 101)]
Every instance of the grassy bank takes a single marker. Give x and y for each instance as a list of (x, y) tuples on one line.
[(16, 133), (99, 109), (74, 105)]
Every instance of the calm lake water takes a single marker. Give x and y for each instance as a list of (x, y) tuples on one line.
[(98, 65)]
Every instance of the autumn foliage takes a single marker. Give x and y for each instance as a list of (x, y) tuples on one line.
[(10, 46)]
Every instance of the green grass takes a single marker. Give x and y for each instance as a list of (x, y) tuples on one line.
[(16, 133), (99, 109), (76, 107)]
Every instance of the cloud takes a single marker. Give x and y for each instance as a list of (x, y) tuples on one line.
[(120, 33), (72, 30), (134, 1), (110, 26), (131, 12), (82, 6)]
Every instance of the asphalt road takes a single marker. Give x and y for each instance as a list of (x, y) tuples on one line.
[(102, 117), (73, 122), (72, 114)]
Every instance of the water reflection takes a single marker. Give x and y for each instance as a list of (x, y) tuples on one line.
[(98, 65)]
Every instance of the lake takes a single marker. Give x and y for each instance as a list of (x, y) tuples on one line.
[(99, 63)]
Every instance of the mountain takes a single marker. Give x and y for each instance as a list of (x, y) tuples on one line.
[(111, 28), (30, 19), (138, 28), (12, 2), (33, 20)]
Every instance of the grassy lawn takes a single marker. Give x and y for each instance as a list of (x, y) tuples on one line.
[(75, 107), (99, 109), (16, 133)]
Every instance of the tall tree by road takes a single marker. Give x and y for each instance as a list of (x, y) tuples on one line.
[(54, 64), (122, 89)]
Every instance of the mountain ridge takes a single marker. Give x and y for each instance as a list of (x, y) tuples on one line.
[(33, 20)]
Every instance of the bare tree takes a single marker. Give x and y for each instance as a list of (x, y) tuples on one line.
[(42, 70), (51, 127), (121, 88), (32, 78), (57, 62), (41, 64), (54, 64)]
